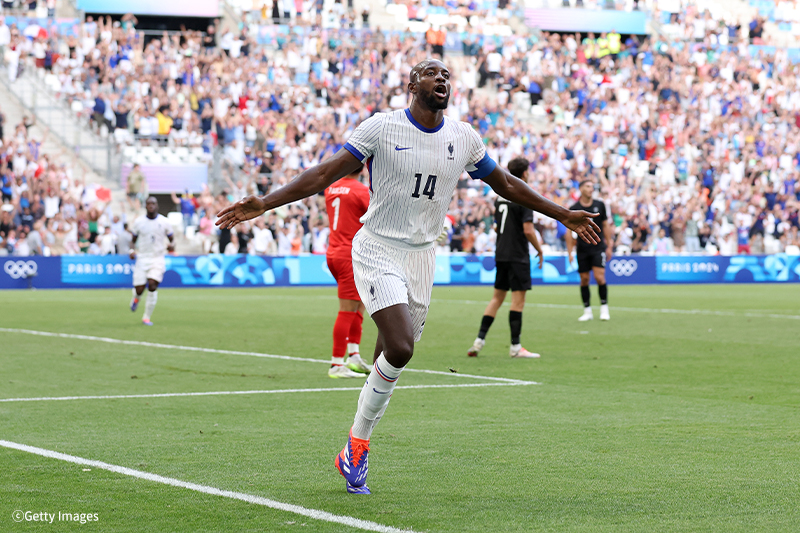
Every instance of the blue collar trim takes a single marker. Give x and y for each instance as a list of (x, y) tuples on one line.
[(420, 127)]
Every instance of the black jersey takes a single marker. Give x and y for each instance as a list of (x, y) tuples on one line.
[(512, 244), (598, 206)]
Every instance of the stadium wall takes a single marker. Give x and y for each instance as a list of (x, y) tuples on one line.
[(114, 271)]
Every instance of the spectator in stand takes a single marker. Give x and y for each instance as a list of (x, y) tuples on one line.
[(136, 188), (293, 99), (187, 205)]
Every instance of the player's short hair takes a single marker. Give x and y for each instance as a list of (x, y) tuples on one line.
[(585, 181), (518, 166)]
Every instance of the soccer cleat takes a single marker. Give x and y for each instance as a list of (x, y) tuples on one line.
[(477, 346), (134, 304), (518, 352), (587, 315), (353, 462), (604, 314), (356, 364), (342, 371), (363, 489), (147, 322)]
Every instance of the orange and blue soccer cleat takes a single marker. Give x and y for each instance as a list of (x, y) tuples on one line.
[(352, 463), (146, 322), (134, 304)]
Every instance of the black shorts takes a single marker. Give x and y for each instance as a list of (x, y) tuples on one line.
[(513, 276), (592, 259)]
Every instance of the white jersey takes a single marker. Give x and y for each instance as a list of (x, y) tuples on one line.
[(413, 172), (151, 235)]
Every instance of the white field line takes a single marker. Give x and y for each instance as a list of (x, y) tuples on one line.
[(239, 392), (746, 314), (249, 498), (233, 352)]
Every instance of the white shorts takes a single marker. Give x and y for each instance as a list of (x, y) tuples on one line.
[(148, 268), (388, 275)]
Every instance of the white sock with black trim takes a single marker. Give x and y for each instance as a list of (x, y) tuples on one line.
[(374, 397)]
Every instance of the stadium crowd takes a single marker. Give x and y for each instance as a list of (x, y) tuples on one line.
[(46, 210), (693, 143)]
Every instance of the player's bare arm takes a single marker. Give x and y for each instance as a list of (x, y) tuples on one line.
[(514, 189), (132, 251), (171, 245), (311, 181), (530, 234)]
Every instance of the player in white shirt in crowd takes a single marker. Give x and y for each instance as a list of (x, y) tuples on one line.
[(415, 158), (152, 237)]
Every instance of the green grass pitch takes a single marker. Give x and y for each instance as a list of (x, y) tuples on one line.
[(680, 414)]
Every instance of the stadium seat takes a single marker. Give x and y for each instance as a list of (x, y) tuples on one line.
[(176, 220), (147, 152), (129, 152), (170, 156)]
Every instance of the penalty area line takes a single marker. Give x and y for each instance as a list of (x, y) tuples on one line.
[(125, 342), (205, 489), (246, 392)]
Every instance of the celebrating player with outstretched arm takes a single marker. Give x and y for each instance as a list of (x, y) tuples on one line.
[(415, 157)]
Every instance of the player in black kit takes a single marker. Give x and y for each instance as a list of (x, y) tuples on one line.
[(593, 257), (514, 232)]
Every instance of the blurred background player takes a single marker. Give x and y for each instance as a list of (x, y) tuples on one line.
[(152, 236), (346, 202), (592, 257), (514, 226)]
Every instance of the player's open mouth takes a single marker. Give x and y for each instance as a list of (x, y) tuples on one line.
[(440, 90)]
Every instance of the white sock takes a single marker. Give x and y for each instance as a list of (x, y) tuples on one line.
[(352, 348), (134, 294), (150, 305), (375, 397), (337, 361)]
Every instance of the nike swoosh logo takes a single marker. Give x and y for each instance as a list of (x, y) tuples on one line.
[(401, 149), (379, 392)]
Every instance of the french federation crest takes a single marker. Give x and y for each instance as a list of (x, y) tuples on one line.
[(450, 151)]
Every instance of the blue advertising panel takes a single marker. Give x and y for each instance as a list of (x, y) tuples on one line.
[(312, 270), (246, 270), (103, 270)]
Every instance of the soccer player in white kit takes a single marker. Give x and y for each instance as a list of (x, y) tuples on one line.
[(415, 157), (152, 235)]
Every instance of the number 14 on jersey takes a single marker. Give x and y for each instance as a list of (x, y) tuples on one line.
[(430, 186)]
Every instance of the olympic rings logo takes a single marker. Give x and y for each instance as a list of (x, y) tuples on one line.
[(21, 269), (623, 267)]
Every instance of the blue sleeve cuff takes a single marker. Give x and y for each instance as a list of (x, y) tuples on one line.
[(483, 168), (353, 150)]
